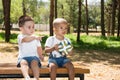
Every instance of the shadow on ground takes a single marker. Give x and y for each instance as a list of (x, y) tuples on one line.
[(97, 56)]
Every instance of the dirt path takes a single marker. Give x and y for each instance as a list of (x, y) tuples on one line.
[(99, 69)]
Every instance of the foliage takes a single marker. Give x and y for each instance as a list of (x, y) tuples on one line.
[(1, 12), (13, 37), (16, 10), (2, 36), (68, 10), (94, 15), (38, 9), (111, 44), (43, 13)]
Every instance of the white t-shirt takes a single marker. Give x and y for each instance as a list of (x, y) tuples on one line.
[(27, 49), (51, 41)]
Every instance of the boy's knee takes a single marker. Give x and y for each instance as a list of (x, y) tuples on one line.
[(34, 62), (69, 65), (53, 66), (23, 62)]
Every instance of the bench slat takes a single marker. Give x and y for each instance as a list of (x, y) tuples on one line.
[(10, 68), (15, 70)]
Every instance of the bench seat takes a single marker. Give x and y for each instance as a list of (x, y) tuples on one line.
[(9, 70)]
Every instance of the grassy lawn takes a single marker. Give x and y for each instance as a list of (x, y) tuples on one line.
[(111, 44), (89, 49)]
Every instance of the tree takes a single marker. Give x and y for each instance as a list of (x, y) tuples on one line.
[(51, 16), (6, 11), (86, 17), (55, 8), (118, 33), (113, 16), (24, 8), (1, 12), (79, 21), (70, 11), (108, 18), (102, 18), (94, 14)]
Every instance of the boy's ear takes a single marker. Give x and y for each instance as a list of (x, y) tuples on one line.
[(20, 28), (53, 29)]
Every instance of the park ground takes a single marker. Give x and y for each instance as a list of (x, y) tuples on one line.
[(102, 65)]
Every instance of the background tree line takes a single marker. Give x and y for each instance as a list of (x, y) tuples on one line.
[(81, 16)]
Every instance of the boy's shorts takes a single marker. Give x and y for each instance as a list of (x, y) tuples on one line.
[(29, 60), (59, 61)]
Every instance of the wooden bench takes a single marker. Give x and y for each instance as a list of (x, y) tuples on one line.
[(9, 70)]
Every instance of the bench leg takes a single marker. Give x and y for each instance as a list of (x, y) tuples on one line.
[(81, 76)]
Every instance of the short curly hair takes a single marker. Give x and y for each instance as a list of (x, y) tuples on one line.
[(23, 19), (58, 21)]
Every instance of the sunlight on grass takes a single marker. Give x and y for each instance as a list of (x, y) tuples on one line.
[(96, 43), (86, 42)]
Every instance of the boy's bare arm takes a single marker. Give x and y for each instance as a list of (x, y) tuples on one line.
[(70, 53), (39, 50), (50, 49), (30, 38)]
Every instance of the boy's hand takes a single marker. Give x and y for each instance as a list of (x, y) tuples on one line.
[(42, 58), (39, 38), (56, 47)]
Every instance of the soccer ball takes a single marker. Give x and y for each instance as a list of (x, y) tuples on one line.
[(65, 47)]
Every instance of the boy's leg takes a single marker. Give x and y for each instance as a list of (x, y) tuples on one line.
[(35, 69), (53, 69), (24, 69), (70, 68)]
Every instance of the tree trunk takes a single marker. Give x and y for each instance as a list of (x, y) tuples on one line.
[(51, 16), (113, 16), (102, 18), (6, 11), (109, 20), (79, 21), (118, 33), (24, 8), (62, 7), (86, 17), (55, 8)]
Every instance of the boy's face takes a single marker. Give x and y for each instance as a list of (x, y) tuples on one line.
[(61, 29), (28, 28)]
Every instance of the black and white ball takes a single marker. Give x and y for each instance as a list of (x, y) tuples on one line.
[(65, 47)]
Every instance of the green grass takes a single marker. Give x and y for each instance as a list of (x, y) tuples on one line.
[(13, 37), (111, 44)]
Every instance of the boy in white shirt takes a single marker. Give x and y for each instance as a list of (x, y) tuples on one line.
[(59, 58), (30, 51)]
